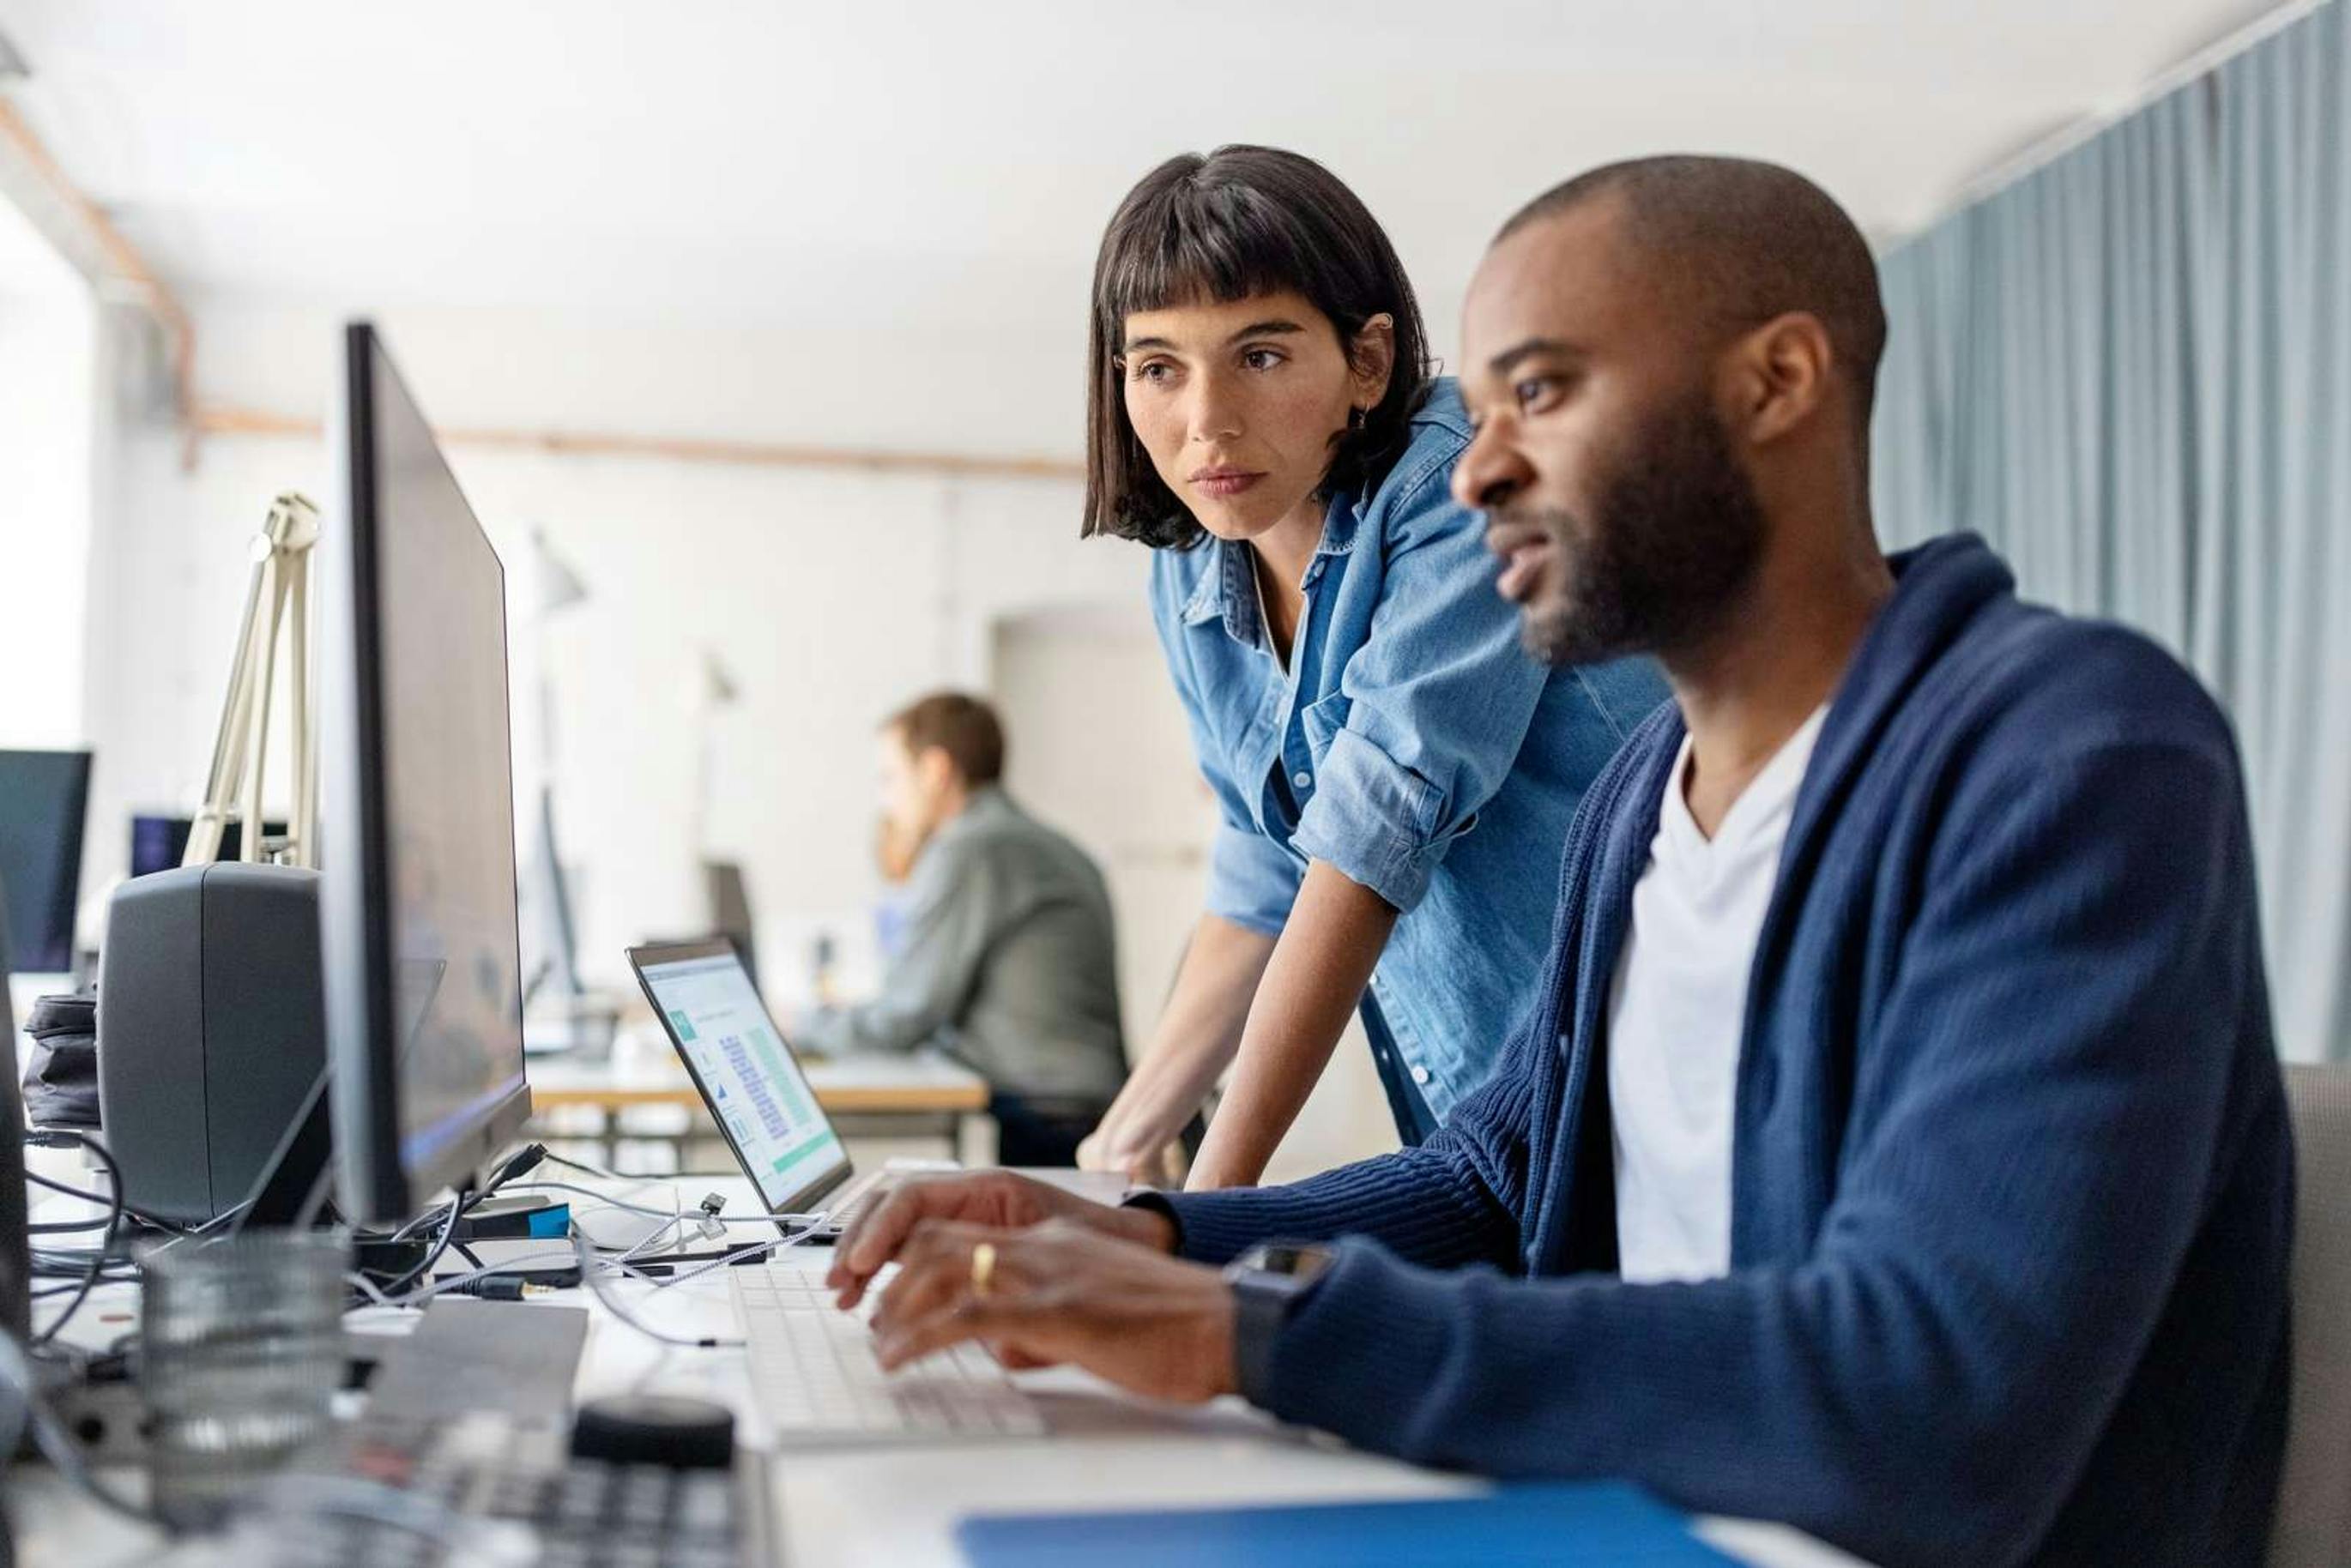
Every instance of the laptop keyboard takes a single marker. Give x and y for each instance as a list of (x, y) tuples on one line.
[(815, 1379)]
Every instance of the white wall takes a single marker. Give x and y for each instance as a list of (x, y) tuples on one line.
[(49, 408), (830, 597)]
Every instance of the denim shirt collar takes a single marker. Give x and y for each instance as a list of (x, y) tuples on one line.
[(1229, 586)]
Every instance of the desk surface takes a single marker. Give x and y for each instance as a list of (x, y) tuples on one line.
[(896, 1507), (643, 1073)]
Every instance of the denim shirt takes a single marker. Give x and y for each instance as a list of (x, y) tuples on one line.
[(1411, 744)]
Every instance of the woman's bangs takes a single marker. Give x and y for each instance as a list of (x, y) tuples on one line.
[(1191, 256)]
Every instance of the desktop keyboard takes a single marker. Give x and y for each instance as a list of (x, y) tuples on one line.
[(814, 1378), (483, 1489)]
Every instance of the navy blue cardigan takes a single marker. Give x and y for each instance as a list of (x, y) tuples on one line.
[(2012, 1178)]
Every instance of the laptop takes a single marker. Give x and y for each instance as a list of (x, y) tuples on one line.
[(749, 1080), (814, 1379)]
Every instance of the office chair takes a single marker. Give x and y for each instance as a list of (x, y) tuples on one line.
[(2313, 1527)]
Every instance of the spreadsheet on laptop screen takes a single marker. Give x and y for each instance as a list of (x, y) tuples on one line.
[(754, 1087)]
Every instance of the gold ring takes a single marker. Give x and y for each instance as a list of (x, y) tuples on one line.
[(983, 1266)]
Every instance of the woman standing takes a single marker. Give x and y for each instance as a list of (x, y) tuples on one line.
[(1394, 776)]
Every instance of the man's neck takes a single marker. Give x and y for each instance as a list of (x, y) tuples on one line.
[(953, 802), (1746, 691)]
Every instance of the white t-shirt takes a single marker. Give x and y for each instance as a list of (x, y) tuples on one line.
[(1675, 1013)]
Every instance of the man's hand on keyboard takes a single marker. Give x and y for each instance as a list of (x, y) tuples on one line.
[(1062, 1292), (994, 1200)]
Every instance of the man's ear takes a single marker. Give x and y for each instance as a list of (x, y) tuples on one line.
[(1780, 376), (934, 769), (1372, 358)]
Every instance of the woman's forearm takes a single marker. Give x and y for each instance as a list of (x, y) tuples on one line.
[(1336, 932), (1199, 1030)]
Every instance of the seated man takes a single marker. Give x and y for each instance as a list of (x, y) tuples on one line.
[(1901, 1152), (1005, 957)]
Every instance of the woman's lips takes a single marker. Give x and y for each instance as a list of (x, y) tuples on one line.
[(1224, 484)]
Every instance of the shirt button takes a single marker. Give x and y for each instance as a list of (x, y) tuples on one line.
[(1302, 778), (1420, 1076)]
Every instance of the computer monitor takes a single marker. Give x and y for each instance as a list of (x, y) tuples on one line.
[(44, 796), (552, 947), (730, 905), (160, 842), (422, 954), (16, 1240)]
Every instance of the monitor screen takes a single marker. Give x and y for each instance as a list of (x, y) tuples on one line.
[(424, 973), (748, 1076), (160, 843), (43, 797)]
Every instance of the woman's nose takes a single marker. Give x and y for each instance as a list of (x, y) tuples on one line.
[(1215, 413)]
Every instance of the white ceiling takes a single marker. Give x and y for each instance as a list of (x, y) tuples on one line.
[(942, 170)]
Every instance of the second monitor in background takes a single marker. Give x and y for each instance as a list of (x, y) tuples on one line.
[(44, 798), (160, 843), (728, 903)]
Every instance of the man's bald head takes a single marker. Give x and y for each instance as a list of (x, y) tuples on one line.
[(1669, 367), (1743, 242)]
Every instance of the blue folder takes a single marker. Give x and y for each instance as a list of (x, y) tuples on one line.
[(1551, 1524)]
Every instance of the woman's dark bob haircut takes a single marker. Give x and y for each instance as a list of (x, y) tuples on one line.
[(1242, 221)]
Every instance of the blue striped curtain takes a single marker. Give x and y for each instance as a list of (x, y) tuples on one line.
[(2131, 372)]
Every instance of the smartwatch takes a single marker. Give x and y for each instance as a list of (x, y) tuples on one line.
[(1267, 1282)]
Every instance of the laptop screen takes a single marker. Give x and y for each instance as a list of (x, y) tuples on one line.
[(747, 1075)]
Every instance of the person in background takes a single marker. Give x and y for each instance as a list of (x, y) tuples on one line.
[(895, 848), (1900, 1150), (1394, 779), (1007, 959)]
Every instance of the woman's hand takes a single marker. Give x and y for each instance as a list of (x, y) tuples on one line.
[(1108, 1149), (1062, 1292), (1195, 1038)]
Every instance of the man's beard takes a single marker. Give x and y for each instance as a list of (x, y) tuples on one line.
[(1673, 542)]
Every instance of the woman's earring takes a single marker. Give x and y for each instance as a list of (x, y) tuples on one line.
[(1354, 419)]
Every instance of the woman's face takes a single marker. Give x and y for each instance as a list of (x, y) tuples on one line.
[(1239, 403)]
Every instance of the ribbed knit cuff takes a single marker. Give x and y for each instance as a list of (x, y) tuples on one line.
[(1416, 1203), (1372, 1328), (1217, 1227), (1157, 1204)]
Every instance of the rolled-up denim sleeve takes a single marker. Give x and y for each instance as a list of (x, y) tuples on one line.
[(1252, 881), (1440, 696)]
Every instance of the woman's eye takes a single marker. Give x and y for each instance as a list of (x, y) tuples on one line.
[(1262, 359), (1155, 371)]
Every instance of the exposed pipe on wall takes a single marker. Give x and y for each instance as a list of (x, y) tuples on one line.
[(214, 419), (77, 226)]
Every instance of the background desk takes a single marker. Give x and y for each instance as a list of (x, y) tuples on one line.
[(930, 1090), (897, 1506)]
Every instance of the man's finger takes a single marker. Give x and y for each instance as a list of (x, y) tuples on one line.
[(1002, 1318), (936, 1268), (872, 1239), (882, 1231), (1014, 1359)]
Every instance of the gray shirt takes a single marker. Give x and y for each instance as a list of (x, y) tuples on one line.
[(1008, 962)]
